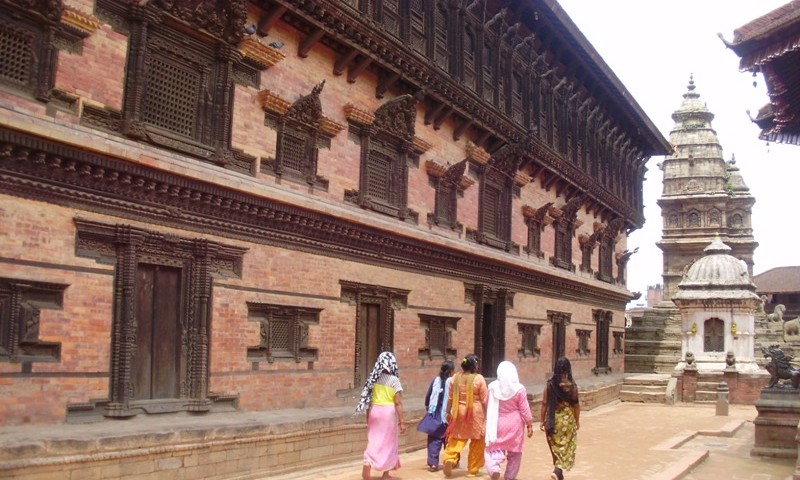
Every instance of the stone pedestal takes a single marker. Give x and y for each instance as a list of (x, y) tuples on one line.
[(776, 424)]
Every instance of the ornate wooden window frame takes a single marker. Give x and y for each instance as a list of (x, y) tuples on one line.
[(564, 225), (438, 337), (32, 38), (602, 320), (618, 343), (299, 123), (536, 219), (390, 299), (21, 302), (388, 135), (125, 246), (282, 325), (198, 52), (529, 343), (583, 349), (449, 183)]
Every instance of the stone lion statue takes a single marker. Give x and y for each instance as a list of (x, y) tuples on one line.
[(730, 359), (777, 313), (779, 367)]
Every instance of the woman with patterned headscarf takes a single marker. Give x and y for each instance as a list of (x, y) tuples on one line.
[(382, 399), (466, 420), (561, 417)]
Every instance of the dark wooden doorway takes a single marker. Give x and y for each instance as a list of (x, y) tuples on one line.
[(603, 321), (493, 334), (559, 340), (370, 333), (714, 335), (156, 366)]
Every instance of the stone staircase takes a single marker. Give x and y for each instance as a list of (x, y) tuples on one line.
[(707, 387), (653, 341), (645, 388)]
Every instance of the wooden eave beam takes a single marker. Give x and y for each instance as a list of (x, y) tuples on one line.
[(308, 43), (437, 122), (270, 19), (383, 86), (432, 113), (461, 129), (357, 69), (550, 179), (343, 61)]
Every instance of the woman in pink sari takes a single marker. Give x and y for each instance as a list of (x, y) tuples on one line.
[(382, 399)]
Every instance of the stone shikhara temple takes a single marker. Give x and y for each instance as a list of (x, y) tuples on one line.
[(235, 206)]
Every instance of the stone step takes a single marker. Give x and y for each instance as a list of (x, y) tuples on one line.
[(632, 389), (705, 396), (642, 397), (646, 380)]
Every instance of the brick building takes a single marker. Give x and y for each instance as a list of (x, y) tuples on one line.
[(208, 209)]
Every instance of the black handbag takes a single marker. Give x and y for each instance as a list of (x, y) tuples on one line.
[(432, 425)]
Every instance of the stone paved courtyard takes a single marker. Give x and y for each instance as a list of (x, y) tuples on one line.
[(628, 441)]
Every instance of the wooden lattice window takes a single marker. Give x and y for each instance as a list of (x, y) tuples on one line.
[(438, 337), (391, 17), (534, 246), (530, 340), (468, 59), (30, 34), (180, 75), (606, 259), (441, 46), (386, 150), (419, 36), (583, 342), (517, 110), (563, 244), (21, 302), (283, 332), (487, 63)]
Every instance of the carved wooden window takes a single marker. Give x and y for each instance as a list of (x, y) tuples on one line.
[(618, 345), (162, 319), (469, 54), (386, 150), (283, 332), (546, 112), (391, 17), (606, 258), (419, 28), (517, 110), (375, 308), (494, 223), (21, 302), (180, 75), (534, 246), (441, 37), (299, 139), (488, 80), (445, 208), (30, 34), (530, 340), (602, 319), (438, 337), (583, 342), (714, 335), (563, 244)]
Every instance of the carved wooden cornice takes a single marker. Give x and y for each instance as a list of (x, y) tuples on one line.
[(354, 30), (272, 103), (82, 24), (263, 56), (477, 154), (543, 215), (33, 167), (357, 115)]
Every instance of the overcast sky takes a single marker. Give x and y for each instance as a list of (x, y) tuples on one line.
[(653, 46)]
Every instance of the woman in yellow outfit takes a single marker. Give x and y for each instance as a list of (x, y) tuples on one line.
[(466, 418)]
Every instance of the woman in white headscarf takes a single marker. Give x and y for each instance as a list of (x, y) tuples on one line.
[(507, 413), (382, 399)]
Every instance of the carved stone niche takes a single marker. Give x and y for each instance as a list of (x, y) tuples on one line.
[(21, 302)]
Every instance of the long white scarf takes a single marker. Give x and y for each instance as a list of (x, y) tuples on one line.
[(433, 400), (504, 388)]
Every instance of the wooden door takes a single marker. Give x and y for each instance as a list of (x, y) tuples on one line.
[(559, 340), (601, 346), (714, 335), (370, 335), (155, 370)]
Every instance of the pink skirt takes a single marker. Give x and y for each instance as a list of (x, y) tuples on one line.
[(382, 451)]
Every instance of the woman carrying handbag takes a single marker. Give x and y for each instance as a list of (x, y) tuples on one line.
[(434, 423)]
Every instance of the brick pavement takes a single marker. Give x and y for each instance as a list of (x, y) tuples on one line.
[(628, 441)]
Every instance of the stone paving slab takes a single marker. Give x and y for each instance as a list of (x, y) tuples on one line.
[(628, 441)]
